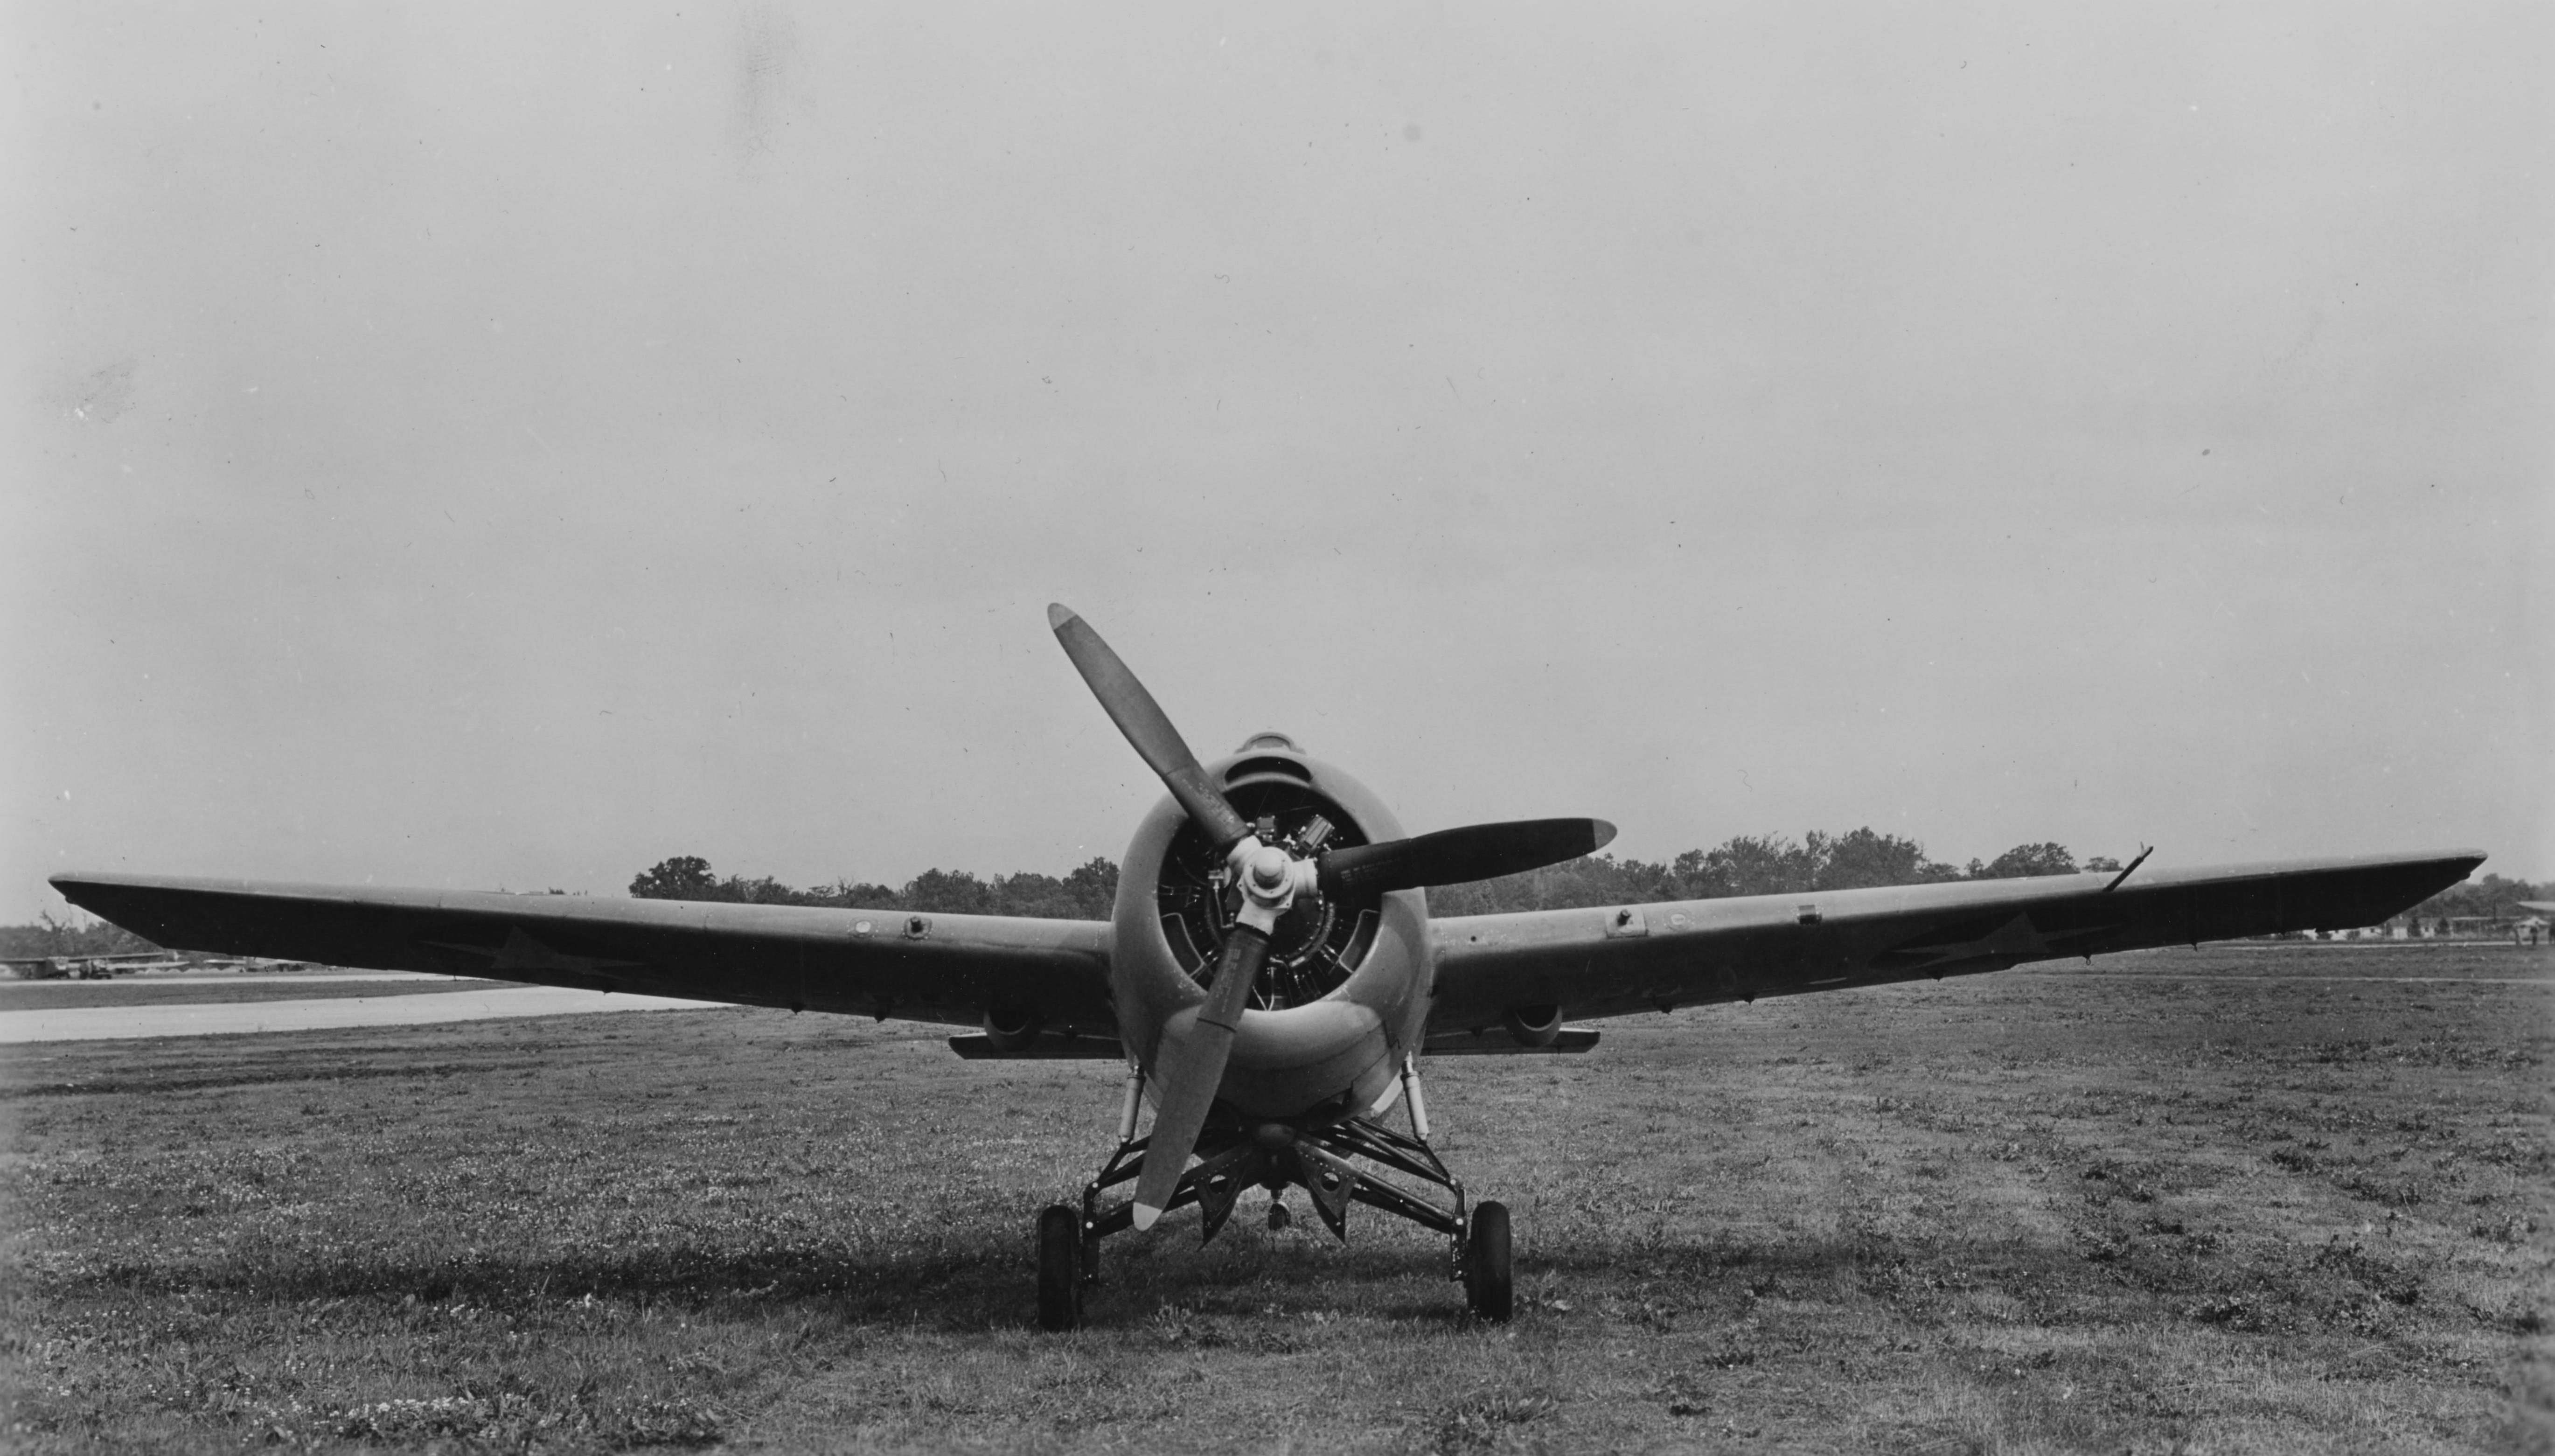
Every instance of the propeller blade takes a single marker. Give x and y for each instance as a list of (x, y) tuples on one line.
[(1146, 727), (1193, 1068), (1455, 856)]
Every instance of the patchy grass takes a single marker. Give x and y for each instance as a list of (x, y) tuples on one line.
[(2200, 1205)]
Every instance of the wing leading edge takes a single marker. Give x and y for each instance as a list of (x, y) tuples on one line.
[(1616, 960), (932, 967)]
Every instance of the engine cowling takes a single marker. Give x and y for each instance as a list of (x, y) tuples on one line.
[(1341, 997), (1323, 939)]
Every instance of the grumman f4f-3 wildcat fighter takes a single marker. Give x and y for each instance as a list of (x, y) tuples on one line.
[(1270, 974)]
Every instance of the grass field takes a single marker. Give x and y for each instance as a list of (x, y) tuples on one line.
[(2223, 1200)]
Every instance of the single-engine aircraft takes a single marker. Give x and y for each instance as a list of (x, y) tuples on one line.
[(1269, 974)]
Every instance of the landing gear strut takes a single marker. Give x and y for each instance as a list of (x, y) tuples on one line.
[(1338, 1161)]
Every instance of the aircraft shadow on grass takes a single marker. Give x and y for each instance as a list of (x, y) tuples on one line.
[(971, 1288)]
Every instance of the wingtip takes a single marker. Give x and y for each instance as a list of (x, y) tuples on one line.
[(1147, 1215), (1057, 614)]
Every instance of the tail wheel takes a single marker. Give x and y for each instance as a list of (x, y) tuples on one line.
[(1059, 1272), (1488, 1289)]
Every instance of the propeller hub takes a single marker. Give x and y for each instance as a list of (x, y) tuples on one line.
[(1268, 874)]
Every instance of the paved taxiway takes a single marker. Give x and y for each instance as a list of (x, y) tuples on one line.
[(111, 1023)]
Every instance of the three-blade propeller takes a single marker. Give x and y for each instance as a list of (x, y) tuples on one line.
[(1190, 1068)]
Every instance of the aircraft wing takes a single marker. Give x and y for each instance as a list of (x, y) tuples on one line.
[(1615, 960), (922, 967)]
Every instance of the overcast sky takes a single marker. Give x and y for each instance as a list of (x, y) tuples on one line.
[(508, 447)]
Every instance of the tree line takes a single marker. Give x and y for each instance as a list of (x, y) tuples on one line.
[(76, 936), (1771, 864), (1748, 864), (1082, 893), (2489, 895)]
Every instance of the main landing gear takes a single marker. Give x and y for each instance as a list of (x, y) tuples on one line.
[(1487, 1291), (1060, 1273), (1338, 1161)]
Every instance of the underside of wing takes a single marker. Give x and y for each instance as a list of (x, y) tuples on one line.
[(1620, 959), (922, 967)]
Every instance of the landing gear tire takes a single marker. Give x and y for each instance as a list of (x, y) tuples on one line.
[(1487, 1291), (1059, 1271)]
